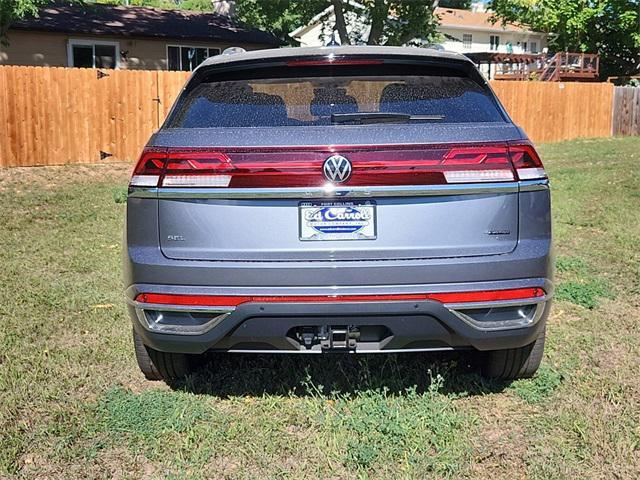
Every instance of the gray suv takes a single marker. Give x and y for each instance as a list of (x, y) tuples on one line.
[(347, 199)]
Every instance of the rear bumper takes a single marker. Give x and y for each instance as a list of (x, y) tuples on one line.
[(387, 326)]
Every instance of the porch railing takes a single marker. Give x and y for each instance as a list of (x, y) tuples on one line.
[(561, 67)]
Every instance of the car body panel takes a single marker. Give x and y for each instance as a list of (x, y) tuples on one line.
[(263, 229)]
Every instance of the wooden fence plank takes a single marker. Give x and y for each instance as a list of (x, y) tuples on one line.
[(169, 86), (626, 111)]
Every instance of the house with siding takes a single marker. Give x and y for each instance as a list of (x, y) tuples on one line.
[(107, 36), (472, 31)]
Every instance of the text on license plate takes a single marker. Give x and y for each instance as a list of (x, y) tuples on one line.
[(337, 220)]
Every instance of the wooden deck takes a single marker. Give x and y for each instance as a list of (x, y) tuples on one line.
[(561, 67)]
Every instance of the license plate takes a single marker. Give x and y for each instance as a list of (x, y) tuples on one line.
[(337, 220)]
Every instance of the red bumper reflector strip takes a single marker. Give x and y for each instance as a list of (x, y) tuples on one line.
[(235, 300)]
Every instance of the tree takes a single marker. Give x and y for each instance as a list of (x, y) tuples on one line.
[(277, 16), (391, 22), (11, 10), (608, 27)]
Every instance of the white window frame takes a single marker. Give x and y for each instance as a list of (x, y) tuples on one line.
[(176, 45), (494, 46), (93, 43), (464, 43)]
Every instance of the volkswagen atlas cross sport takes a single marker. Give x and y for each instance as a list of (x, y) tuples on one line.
[(338, 199)]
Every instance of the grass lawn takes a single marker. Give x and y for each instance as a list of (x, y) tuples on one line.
[(73, 404)]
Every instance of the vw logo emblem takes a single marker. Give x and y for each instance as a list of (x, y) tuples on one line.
[(337, 168)]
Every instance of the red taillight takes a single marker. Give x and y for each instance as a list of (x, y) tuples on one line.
[(197, 169), (149, 168), (444, 297), (527, 162), (303, 166)]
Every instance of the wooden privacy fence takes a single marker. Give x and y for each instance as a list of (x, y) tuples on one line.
[(626, 111), (553, 111), (53, 116)]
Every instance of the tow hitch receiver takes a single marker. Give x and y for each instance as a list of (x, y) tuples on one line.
[(340, 337)]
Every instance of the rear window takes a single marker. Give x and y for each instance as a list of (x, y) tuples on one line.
[(311, 101)]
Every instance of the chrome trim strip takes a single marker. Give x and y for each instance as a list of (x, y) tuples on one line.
[(497, 303), (321, 192), (143, 192), (534, 185), (356, 351), (176, 329)]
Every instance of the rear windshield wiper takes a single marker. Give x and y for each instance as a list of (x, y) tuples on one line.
[(382, 117)]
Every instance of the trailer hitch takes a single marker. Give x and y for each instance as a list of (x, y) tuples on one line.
[(340, 337)]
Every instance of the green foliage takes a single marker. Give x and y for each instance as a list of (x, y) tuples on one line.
[(120, 195), (381, 428), (583, 292), (11, 10), (608, 27), (415, 19), (570, 264), (147, 416), (542, 386), (578, 284), (279, 16)]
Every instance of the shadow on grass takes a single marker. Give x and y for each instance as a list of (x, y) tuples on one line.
[(337, 374)]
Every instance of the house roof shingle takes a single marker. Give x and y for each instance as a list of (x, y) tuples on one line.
[(100, 19), (454, 17)]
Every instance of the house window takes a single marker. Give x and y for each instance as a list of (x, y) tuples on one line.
[(494, 42), (181, 57), (467, 39), (524, 47), (93, 54), (534, 47)]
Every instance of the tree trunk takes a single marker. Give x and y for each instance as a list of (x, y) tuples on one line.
[(341, 25), (378, 16)]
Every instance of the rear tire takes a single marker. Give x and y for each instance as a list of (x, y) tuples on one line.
[(515, 363), (156, 365)]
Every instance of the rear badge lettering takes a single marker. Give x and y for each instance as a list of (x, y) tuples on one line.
[(175, 238)]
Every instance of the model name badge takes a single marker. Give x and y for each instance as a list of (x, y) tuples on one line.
[(175, 238)]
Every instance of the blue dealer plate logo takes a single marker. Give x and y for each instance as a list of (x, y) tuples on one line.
[(338, 219)]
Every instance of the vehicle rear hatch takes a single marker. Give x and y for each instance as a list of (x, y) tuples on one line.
[(352, 161)]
